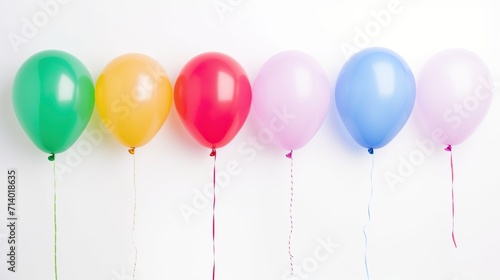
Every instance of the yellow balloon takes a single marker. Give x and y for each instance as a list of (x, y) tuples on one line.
[(133, 96)]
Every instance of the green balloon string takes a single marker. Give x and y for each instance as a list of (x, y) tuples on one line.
[(55, 219)]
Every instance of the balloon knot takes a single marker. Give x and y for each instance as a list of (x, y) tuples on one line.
[(370, 151), (131, 151), (213, 153), (52, 157), (289, 155), (448, 148)]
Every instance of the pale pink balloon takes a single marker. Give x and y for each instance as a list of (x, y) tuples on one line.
[(291, 96), (454, 93)]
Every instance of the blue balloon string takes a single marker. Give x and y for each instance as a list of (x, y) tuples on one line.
[(369, 217)]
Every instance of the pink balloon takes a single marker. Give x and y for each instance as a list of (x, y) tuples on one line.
[(291, 96), (454, 93)]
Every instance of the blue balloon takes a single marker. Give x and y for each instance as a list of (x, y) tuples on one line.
[(375, 94)]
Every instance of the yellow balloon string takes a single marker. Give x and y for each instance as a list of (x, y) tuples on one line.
[(55, 218), (132, 152)]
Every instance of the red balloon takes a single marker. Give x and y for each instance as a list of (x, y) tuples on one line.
[(212, 96)]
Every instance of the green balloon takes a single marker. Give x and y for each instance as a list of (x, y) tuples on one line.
[(53, 98)]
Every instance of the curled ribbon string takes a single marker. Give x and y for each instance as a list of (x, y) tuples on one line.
[(132, 152), (289, 155), (449, 149), (52, 158), (369, 214), (214, 155)]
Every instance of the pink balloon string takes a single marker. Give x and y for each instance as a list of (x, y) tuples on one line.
[(289, 155), (214, 155), (452, 196)]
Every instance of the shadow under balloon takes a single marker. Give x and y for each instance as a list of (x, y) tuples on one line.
[(420, 128), (97, 127), (181, 137), (16, 138), (336, 128), (257, 131)]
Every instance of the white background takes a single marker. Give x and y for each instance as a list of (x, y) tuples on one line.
[(409, 236)]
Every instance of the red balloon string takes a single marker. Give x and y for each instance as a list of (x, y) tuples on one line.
[(289, 155), (452, 196), (213, 154)]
